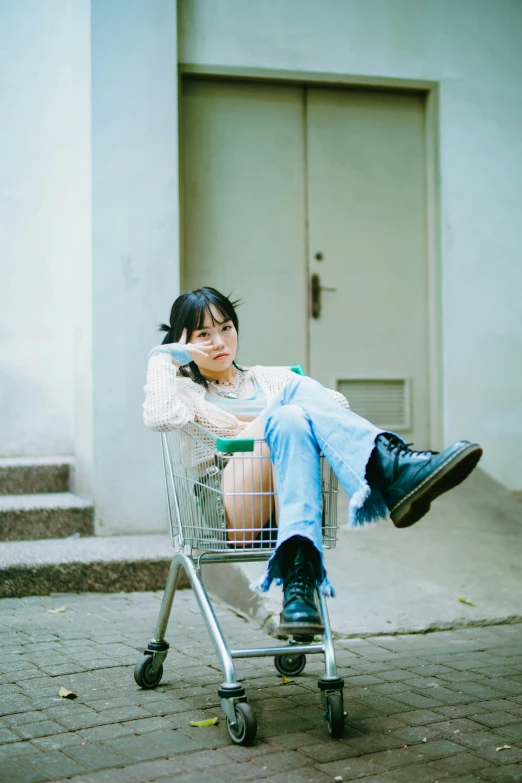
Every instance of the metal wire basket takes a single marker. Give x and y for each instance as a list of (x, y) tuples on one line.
[(208, 513)]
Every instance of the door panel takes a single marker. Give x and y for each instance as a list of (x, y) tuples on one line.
[(243, 214), (366, 164)]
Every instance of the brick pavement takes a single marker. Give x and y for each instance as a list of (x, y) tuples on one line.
[(422, 708)]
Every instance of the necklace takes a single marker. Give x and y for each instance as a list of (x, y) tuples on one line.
[(236, 386)]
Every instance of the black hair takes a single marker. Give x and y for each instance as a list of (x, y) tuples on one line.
[(188, 312)]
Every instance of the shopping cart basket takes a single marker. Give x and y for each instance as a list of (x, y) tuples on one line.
[(201, 533)]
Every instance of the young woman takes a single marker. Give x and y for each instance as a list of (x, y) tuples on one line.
[(193, 377)]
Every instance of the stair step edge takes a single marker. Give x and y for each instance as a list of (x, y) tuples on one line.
[(89, 549), (42, 501), (29, 462)]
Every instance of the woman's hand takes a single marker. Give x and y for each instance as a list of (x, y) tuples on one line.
[(183, 353), (203, 348)]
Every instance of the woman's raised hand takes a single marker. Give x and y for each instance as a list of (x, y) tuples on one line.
[(202, 348), (184, 353)]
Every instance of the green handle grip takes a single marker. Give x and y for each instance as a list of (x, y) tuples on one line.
[(231, 445)]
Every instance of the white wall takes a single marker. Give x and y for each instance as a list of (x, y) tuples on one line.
[(472, 47), (135, 247), (44, 222)]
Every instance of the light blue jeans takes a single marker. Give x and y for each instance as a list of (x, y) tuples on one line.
[(301, 422)]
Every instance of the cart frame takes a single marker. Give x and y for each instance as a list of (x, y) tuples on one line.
[(196, 544)]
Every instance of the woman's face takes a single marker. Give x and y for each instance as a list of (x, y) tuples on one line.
[(223, 338)]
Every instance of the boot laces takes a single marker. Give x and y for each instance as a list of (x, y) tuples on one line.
[(300, 581), (398, 447)]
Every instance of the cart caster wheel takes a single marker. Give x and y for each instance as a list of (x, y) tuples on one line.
[(290, 665), (335, 715), (143, 674), (244, 730)]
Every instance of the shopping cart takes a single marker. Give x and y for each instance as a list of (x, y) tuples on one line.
[(210, 526)]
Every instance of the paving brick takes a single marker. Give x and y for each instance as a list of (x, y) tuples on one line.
[(244, 770), (419, 717), (208, 736), (329, 751), (16, 749), (19, 718), (58, 741), (95, 756), (351, 769), (461, 764), (242, 753), (418, 773), (458, 726), (437, 749), (55, 765), (389, 687), (513, 754), (496, 719), (162, 743), (292, 741), (43, 728), (412, 699), (83, 720), (510, 773), (203, 759), (105, 732), (159, 769), (478, 690), (301, 775), (413, 735), (380, 723), (20, 771), (6, 735), (462, 710), (398, 757), (374, 742)]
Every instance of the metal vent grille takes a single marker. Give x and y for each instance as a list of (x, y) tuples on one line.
[(384, 402)]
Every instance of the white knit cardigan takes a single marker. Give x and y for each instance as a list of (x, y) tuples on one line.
[(172, 401)]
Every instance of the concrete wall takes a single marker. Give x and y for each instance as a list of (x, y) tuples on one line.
[(472, 48), (44, 224), (135, 247)]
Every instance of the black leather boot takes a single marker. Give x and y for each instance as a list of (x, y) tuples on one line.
[(300, 564), (411, 480)]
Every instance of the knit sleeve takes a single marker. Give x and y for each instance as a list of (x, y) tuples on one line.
[(340, 398), (163, 409)]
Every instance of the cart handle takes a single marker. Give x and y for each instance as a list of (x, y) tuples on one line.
[(231, 445)]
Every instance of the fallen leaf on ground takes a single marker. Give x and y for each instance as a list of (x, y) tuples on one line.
[(57, 611), (65, 693), (201, 723), (504, 747), (466, 601), (285, 680)]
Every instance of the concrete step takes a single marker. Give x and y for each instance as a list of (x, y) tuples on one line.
[(30, 475), (49, 515), (106, 564)]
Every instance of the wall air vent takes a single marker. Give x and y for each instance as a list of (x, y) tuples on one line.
[(383, 401)]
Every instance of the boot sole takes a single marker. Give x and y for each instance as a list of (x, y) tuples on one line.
[(449, 475), (300, 629)]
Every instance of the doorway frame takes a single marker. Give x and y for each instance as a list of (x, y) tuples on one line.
[(430, 91)]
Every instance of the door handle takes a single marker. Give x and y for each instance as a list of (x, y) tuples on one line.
[(315, 291)]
